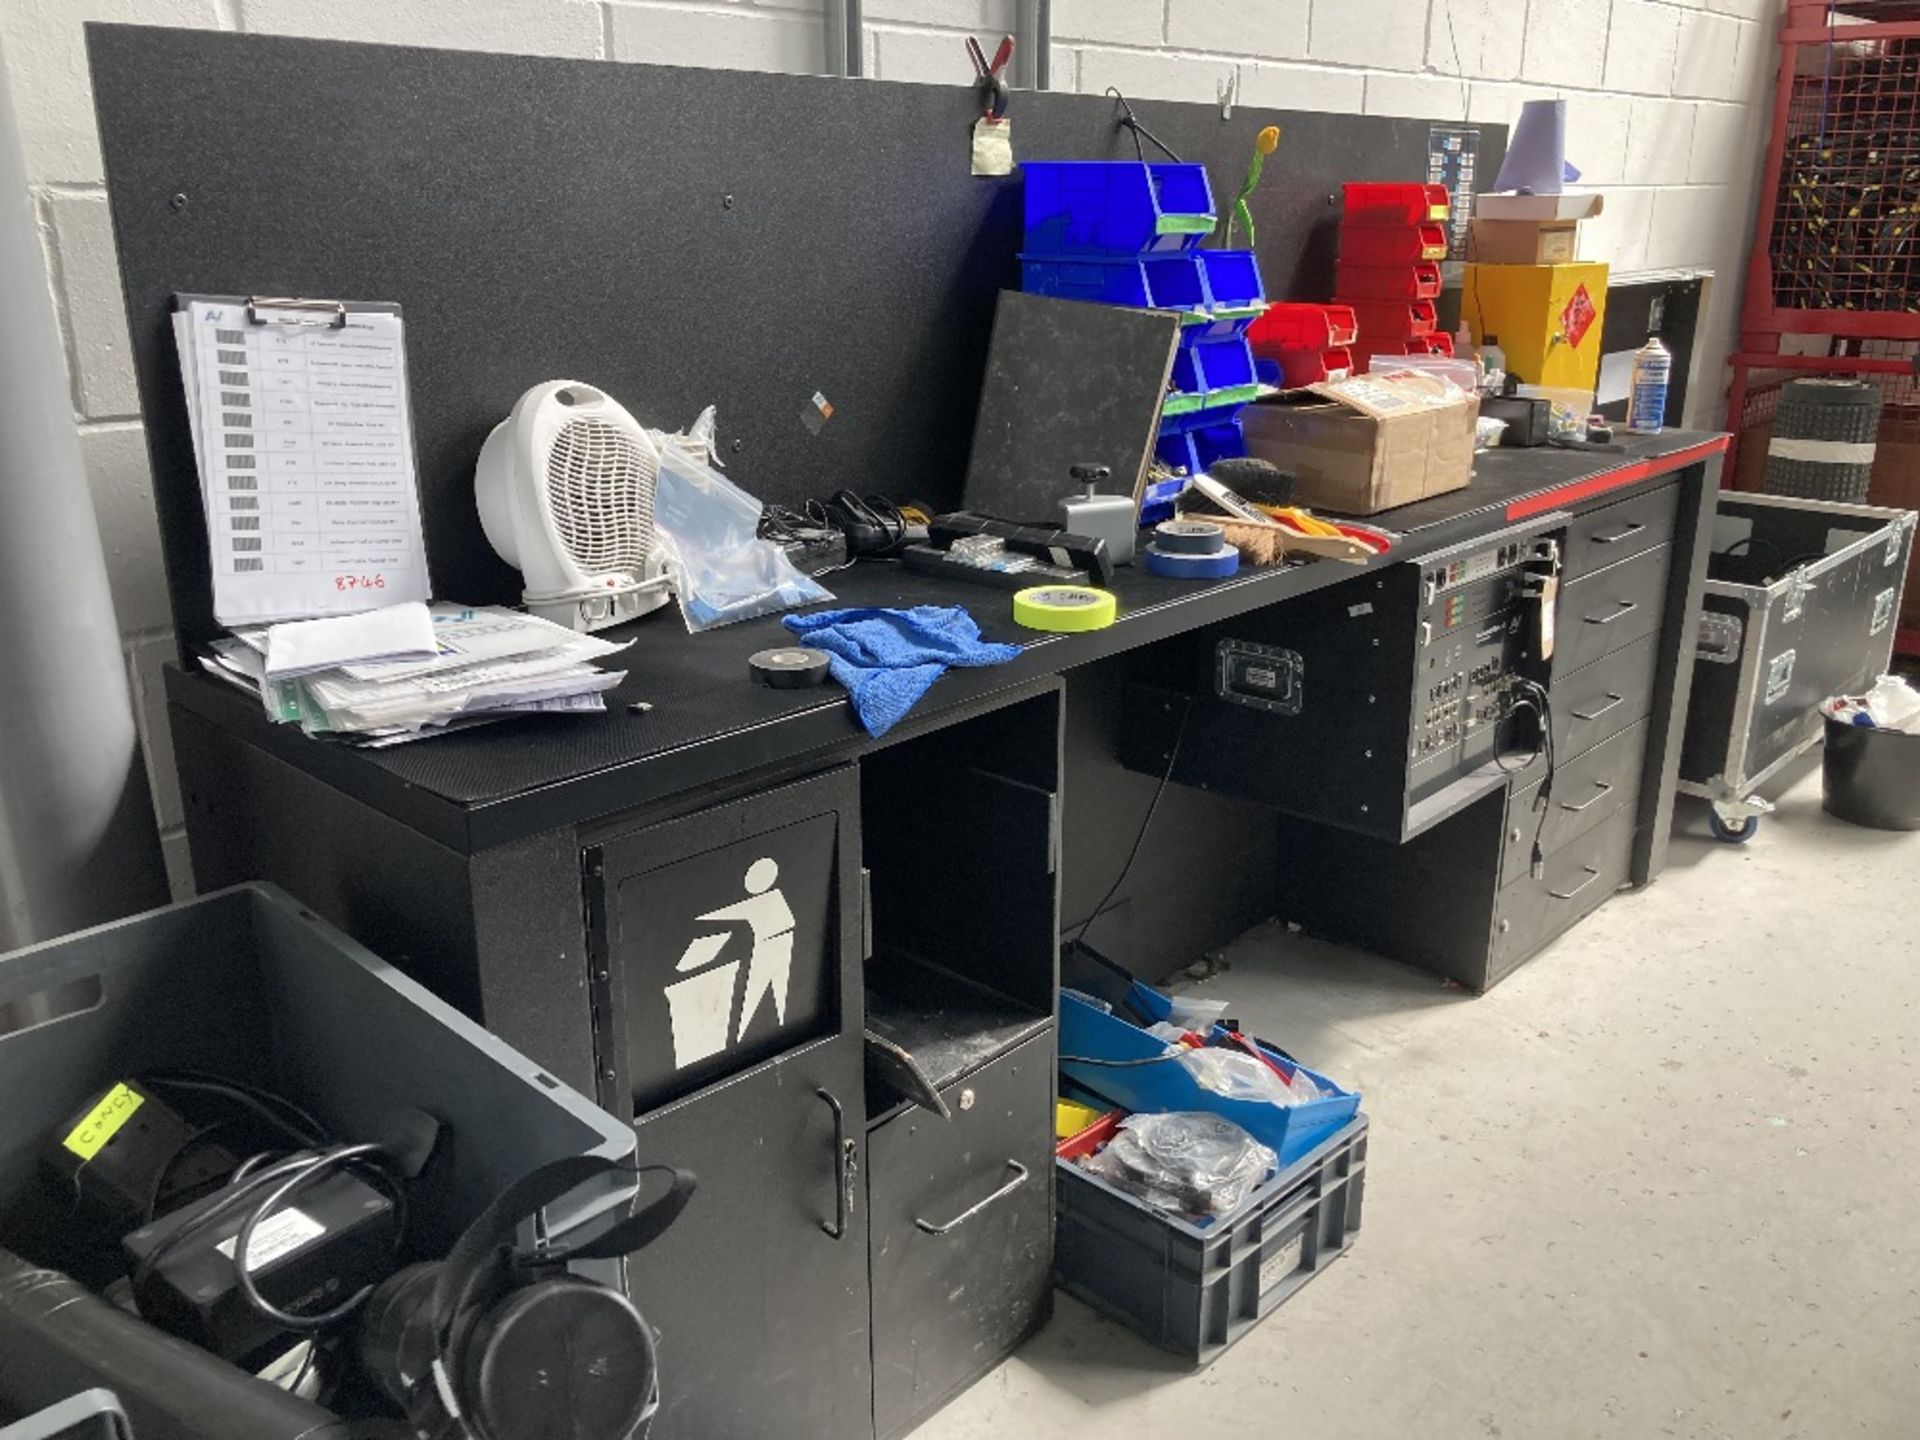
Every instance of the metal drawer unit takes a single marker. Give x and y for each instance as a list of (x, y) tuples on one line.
[(961, 1234), (1587, 792), (1603, 537), (1802, 599), (1530, 912), (1609, 609), (1596, 703)]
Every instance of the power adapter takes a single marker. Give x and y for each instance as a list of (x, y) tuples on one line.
[(338, 1236), (127, 1156)]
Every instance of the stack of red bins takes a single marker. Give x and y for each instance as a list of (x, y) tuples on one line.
[(1392, 240), (1295, 345)]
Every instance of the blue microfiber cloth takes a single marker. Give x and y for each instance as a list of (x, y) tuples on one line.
[(888, 658)]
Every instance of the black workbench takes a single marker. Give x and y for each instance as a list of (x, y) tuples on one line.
[(545, 873), (707, 721)]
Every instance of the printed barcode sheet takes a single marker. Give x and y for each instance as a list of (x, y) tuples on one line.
[(305, 449)]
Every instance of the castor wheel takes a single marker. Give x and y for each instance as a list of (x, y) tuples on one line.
[(1738, 833)]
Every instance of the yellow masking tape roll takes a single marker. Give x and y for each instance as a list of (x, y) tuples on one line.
[(1064, 608), (103, 1122)]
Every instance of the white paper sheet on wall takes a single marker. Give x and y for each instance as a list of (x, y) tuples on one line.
[(304, 440)]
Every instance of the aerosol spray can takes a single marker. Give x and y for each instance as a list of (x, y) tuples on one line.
[(1647, 395)]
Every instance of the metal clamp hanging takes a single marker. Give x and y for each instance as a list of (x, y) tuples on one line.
[(330, 313), (990, 80)]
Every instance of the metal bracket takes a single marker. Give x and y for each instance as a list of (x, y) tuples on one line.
[(1718, 638), (1894, 534), (1883, 609), (1798, 588), (1779, 675)]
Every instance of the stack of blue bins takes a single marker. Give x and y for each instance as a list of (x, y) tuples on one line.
[(1126, 232)]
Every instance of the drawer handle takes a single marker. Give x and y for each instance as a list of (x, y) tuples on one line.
[(1633, 528), (844, 1149), (1627, 607), (1613, 702), (1592, 875), (1605, 790), (1014, 1167)]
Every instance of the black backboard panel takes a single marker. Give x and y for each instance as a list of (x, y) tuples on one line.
[(679, 237)]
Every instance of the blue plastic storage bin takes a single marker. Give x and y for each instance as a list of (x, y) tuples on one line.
[(1091, 1040), (1233, 289), (1147, 282), (1114, 207)]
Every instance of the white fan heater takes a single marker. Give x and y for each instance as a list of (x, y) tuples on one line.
[(565, 487)]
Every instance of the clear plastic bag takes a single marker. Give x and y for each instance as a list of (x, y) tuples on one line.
[(1188, 1162), (721, 570), (1239, 1076), (1190, 1012)]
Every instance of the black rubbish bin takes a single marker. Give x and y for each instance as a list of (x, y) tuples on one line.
[(1872, 777)]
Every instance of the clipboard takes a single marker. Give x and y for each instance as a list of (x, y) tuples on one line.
[(302, 430)]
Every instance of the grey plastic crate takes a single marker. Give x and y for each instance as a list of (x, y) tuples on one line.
[(90, 1415), (1196, 1289), (250, 985)]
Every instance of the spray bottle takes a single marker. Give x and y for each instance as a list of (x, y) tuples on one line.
[(1647, 393)]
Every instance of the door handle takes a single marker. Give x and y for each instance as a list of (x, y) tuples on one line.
[(1633, 528), (844, 1150), (1605, 790), (1019, 1173), (1627, 607), (1613, 701), (1592, 875)]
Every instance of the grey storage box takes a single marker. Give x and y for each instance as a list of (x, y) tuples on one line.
[(1196, 1289), (1801, 602), (248, 984)]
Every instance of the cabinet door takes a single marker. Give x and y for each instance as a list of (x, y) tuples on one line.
[(761, 1310), (728, 1020)]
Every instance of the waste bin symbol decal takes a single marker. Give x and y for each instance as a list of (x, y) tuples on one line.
[(702, 1005), (726, 957)]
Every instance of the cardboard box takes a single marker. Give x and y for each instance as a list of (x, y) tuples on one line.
[(1567, 205), (1524, 242), (1368, 443)]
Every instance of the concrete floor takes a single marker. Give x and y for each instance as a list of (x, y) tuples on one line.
[(1663, 1181)]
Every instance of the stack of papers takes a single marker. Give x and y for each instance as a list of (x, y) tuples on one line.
[(484, 664)]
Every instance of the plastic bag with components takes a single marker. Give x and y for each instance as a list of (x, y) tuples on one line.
[(1239, 1076), (1187, 1162), (709, 533)]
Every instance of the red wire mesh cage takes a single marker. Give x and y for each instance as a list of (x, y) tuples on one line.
[(1839, 229)]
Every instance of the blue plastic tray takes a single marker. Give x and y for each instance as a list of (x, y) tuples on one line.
[(1091, 1040)]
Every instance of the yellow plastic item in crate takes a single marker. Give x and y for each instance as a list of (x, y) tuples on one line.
[(1070, 1117), (1547, 318)]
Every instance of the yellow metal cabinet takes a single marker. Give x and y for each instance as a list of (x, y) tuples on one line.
[(1547, 318)]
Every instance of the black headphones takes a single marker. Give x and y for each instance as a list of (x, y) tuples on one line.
[(454, 1342)]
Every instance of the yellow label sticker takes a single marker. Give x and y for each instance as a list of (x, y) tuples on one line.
[(103, 1122)]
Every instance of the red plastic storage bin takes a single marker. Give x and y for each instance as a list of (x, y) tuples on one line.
[(1384, 325), (1310, 367), (1420, 281), (1371, 203), (1392, 244), (1302, 327)]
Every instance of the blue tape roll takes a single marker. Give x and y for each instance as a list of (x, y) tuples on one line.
[(1217, 566)]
